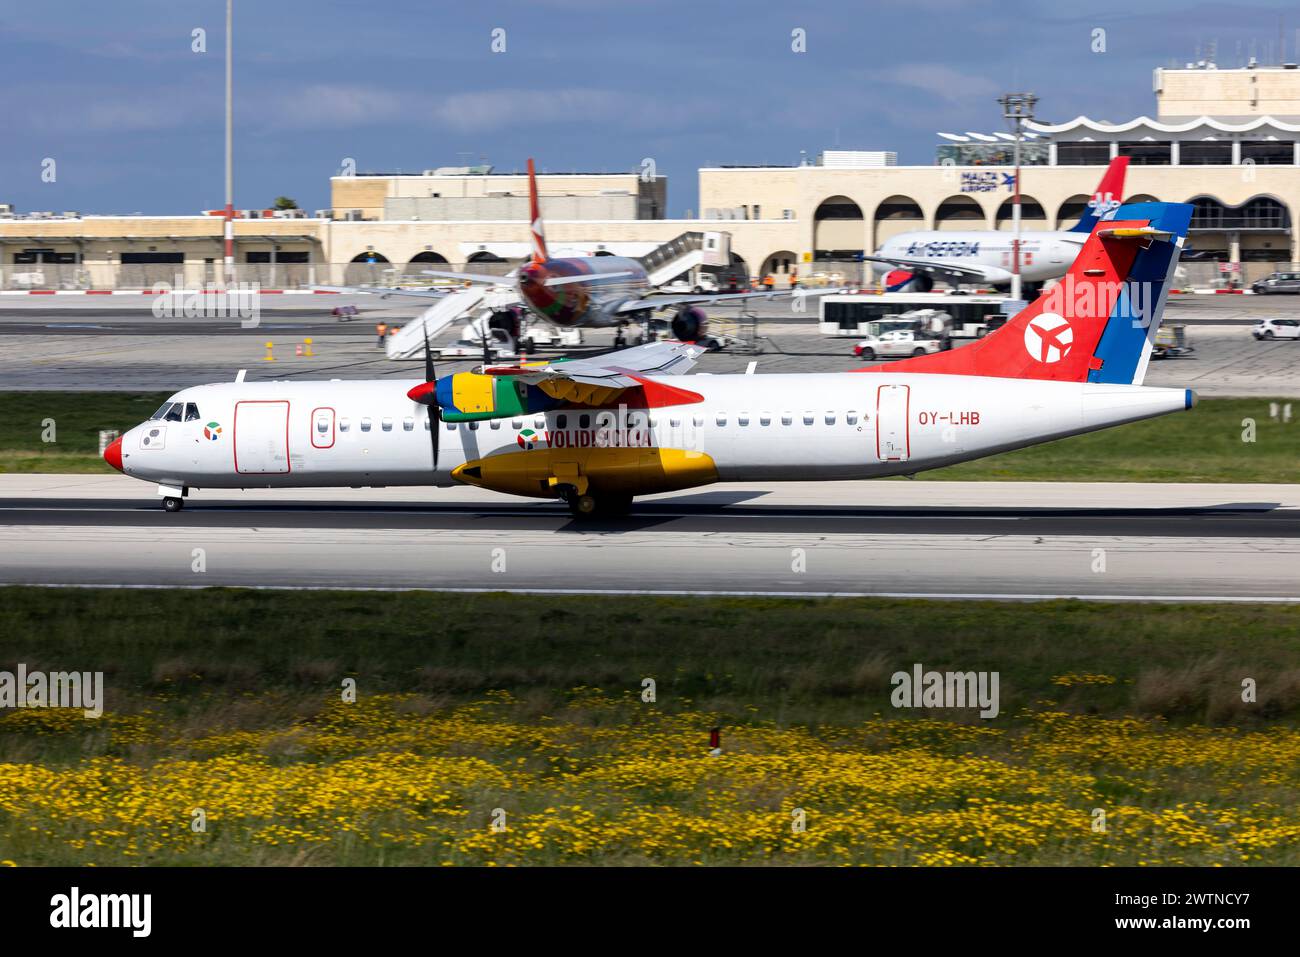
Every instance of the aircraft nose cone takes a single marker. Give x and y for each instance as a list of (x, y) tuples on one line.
[(113, 454)]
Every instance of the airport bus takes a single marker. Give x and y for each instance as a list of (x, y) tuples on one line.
[(856, 316)]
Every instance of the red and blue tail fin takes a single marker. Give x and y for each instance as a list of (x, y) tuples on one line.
[(1098, 323), (1107, 199)]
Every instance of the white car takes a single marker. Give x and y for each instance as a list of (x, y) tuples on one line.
[(1277, 329), (898, 342), (704, 285)]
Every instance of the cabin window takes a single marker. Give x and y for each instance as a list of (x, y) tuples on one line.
[(408, 424), (584, 421), (365, 425), (539, 423), (851, 418), (830, 418), (494, 424), (786, 418), (322, 424), (473, 426), (345, 424), (721, 419), (765, 418), (516, 424), (654, 421), (386, 424), (742, 418), (560, 420), (699, 421), (809, 418), (675, 423), (428, 423), (451, 426), (191, 412), (636, 420)]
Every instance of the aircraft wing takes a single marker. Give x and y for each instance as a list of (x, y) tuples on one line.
[(947, 271), (385, 291), (618, 370), (664, 302), (487, 279)]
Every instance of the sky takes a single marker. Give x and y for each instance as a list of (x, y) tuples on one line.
[(132, 115)]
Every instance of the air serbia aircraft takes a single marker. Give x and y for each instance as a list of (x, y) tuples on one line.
[(984, 255), (584, 291), (596, 432)]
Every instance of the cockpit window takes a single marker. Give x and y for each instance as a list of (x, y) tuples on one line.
[(161, 411), (191, 412), (175, 412)]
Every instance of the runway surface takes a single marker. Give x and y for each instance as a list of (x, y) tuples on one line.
[(940, 539)]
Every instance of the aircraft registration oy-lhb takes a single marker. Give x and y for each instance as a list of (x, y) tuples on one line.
[(596, 432)]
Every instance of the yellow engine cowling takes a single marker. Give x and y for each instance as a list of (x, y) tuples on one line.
[(634, 471)]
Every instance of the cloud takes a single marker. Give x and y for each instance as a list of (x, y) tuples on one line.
[(342, 106), (939, 80)]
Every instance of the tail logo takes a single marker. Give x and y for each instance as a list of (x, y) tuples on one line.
[(1104, 205), (1048, 337), (539, 240)]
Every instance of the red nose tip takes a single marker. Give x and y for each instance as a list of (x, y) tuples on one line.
[(113, 454)]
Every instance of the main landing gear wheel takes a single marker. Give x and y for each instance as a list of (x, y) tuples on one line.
[(172, 504)]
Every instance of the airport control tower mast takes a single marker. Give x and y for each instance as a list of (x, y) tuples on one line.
[(1018, 108), (230, 173)]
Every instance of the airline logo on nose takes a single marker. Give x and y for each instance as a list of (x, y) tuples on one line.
[(1048, 337)]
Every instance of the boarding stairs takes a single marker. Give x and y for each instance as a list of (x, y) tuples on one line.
[(686, 252)]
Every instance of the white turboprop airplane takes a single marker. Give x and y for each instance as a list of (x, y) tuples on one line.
[(596, 432), (920, 258)]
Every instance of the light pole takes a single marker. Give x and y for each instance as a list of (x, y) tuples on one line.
[(230, 170), (1017, 108)]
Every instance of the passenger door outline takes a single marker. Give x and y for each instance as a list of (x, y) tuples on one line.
[(893, 412), (264, 429)]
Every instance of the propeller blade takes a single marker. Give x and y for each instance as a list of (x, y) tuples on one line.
[(435, 410)]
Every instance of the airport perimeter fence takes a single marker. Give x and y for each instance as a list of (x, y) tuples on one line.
[(53, 277)]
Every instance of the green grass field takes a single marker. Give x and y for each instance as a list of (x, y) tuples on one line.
[(530, 711), (1202, 445)]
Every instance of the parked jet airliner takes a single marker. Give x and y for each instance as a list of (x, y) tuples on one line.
[(596, 432), (984, 255), (584, 291)]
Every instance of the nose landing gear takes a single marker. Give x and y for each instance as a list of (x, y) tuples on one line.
[(173, 498)]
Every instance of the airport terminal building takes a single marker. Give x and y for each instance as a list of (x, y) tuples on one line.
[(1226, 140)]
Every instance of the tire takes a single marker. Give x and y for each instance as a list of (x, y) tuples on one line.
[(172, 504), (527, 345), (918, 351), (1267, 334), (867, 354), (698, 291), (583, 506)]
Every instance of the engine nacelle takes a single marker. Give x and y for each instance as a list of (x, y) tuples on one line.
[(691, 324)]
